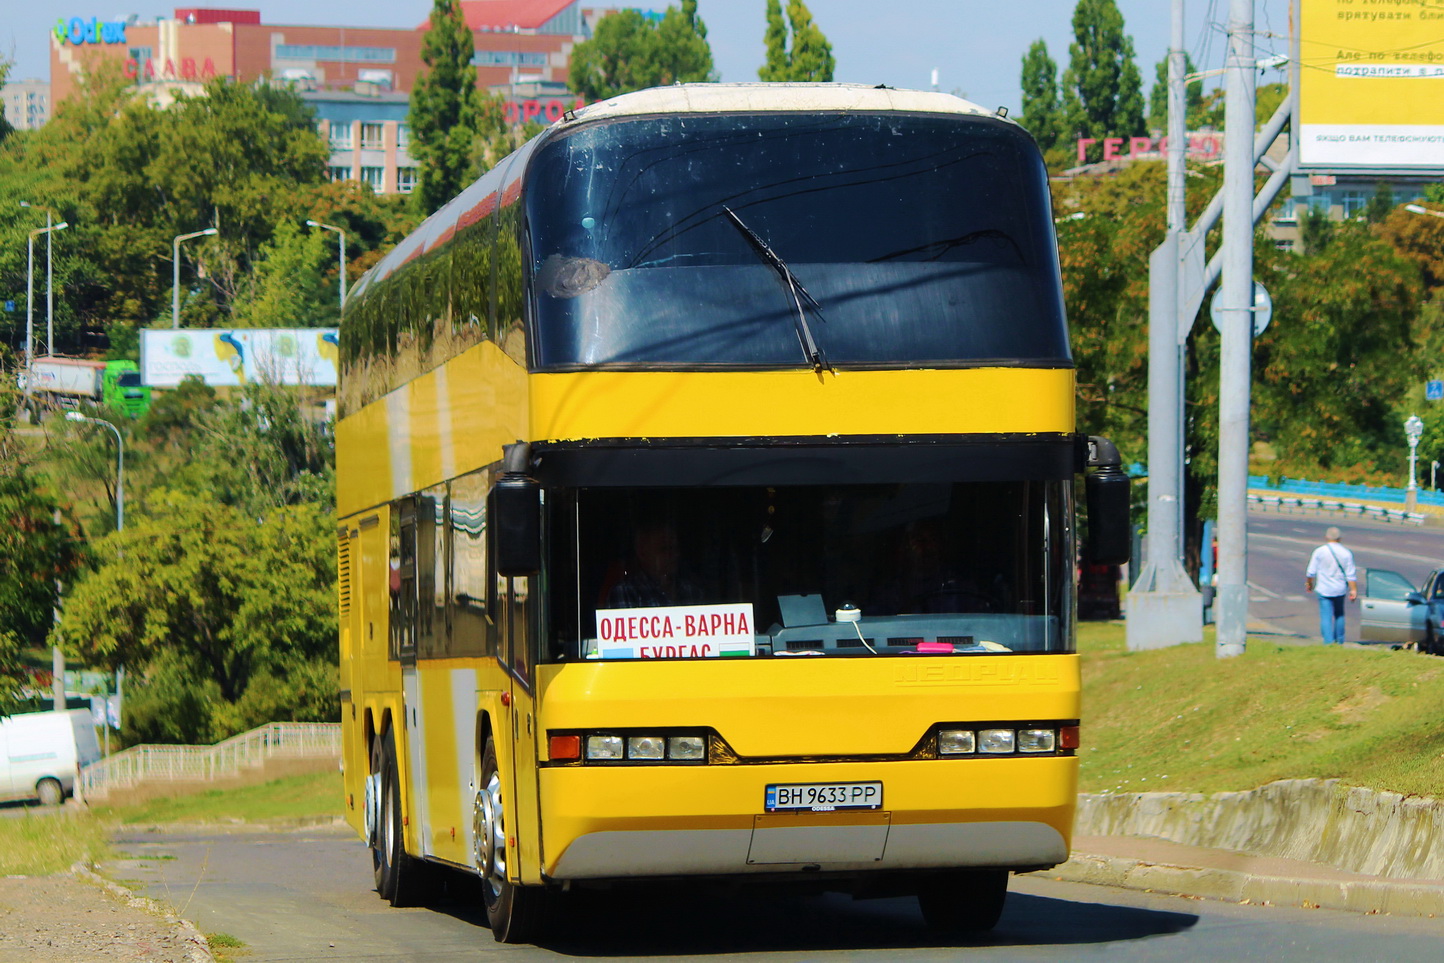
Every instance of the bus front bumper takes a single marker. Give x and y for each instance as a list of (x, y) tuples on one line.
[(637, 821)]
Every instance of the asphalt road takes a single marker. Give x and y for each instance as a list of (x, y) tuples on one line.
[(306, 895), (1279, 546)]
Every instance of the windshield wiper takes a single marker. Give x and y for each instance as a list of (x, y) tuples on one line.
[(813, 353)]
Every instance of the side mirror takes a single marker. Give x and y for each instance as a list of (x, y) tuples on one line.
[(1109, 503), (516, 525), (1414, 598)]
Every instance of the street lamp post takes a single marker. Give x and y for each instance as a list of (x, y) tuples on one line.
[(342, 234), (30, 297), (119, 464), (1413, 431), (1420, 209), (119, 526), (175, 272), (49, 277)]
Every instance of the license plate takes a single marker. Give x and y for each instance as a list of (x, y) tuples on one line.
[(823, 796)]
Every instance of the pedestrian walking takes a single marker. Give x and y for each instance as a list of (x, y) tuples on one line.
[(1331, 574)]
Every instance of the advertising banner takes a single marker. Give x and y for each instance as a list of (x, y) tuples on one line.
[(1371, 84), (231, 357)]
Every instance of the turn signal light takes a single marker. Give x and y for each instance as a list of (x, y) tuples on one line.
[(564, 748)]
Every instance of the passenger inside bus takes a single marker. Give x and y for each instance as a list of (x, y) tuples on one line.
[(651, 575)]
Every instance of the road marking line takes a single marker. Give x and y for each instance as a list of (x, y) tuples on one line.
[(1294, 598), (1259, 588), (1357, 550)]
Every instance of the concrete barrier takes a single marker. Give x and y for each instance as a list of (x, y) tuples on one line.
[(1319, 820)]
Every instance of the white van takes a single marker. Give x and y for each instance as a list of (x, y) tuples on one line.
[(41, 754)]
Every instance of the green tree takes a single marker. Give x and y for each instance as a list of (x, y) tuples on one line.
[(286, 289), (1380, 204), (5, 126), (201, 601), (808, 58), (1158, 97), (37, 551), (1042, 110), (1316, 230), (445, 108), (1102, 89), (629, 51)]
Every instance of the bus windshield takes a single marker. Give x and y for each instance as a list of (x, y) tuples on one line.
[(913, 239), (843, 570)]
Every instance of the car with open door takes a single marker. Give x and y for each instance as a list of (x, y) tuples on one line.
[(1393, 610)]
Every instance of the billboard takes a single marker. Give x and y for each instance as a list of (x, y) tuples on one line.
[(238, 356), (1371, 84)]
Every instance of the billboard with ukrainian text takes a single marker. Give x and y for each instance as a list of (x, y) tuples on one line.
[(230, 357), (1371, 84)]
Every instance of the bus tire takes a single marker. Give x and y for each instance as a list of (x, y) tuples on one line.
[(401, 879), (965, 902), (516, 914), (49, 792)]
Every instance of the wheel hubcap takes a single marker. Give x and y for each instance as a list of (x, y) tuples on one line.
[(489, 825)]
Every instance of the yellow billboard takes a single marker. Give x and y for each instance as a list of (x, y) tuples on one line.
[(1371, 83)]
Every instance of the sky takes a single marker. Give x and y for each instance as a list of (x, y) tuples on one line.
[(976, 46)]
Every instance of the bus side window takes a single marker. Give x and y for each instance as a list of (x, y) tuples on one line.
[(433, 574), (472, 628), (402, 580)]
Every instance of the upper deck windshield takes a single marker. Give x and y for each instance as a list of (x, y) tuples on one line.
[(920, 238)]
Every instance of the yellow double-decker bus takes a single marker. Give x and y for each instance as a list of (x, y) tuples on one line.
[(705, 478)]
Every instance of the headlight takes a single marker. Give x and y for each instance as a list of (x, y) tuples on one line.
[(687, 748), (996, 741), (646, 747), (1036, 740), (604, 747), (956, 742)]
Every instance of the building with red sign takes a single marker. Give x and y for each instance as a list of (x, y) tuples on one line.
[(357, 78)]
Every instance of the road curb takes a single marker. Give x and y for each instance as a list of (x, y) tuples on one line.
[(198, 948), (1358, 896)]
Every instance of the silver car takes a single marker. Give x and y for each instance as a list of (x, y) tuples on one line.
[(1395, 611)]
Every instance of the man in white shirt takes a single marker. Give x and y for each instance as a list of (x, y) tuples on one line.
[(1331, 573)]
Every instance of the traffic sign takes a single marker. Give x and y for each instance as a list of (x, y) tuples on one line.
[(10, 306), (1434, 390), (1263, 310)]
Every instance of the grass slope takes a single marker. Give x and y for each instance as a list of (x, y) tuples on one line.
[(1182, 719), (310, 797), (36, 843)]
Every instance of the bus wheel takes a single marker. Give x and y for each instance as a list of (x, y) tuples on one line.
[(400, 879), (515, 913), (49, 792), (965, 902)]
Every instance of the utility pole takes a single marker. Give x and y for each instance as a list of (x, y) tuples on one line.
[(1164, 607), (1236, 357)]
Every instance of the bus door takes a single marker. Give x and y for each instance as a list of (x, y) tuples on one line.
[(405, 613), (516, 648)]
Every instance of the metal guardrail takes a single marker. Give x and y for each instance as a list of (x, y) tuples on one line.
[(1306, 503), (149, 762), (1337, 491)]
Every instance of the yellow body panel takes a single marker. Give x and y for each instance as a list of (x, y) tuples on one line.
[(411, 440), (772, 404), (800, 707), (446, 422)]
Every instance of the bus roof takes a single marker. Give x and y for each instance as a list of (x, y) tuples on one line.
[(727, 98)]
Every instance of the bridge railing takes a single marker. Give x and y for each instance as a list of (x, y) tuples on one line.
[(149, 762), (1316, 504)]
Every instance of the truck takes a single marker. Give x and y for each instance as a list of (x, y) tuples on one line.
[(42, 753), (65, 382)]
